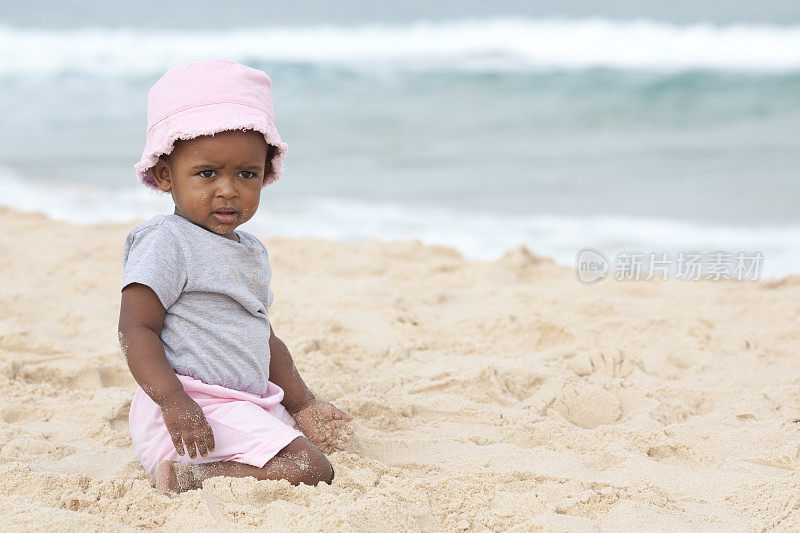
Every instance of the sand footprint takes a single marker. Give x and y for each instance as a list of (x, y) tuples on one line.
[(614, 363), (587, 405)]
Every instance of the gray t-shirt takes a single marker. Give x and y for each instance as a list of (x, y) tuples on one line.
[(216, 294)]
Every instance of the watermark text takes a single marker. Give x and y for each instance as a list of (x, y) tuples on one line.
[(592, 265)]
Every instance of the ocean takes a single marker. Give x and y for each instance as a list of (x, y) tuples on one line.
[(651, 127)]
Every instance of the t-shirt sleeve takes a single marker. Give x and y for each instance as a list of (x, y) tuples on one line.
[(270, 294), (152, 256)]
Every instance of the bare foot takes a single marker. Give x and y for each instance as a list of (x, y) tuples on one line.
[(166, 480), (172, 477)]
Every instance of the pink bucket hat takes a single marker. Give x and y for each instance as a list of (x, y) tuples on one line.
[(204, 98)]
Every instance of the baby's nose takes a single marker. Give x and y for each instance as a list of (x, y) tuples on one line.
[(227, 187)]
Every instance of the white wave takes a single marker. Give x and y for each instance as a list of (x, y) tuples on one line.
[(80, 203), (481, 45), (484, 236)]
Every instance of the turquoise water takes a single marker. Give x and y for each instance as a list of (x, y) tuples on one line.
[(557, 130)]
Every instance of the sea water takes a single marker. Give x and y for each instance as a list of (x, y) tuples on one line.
[(482, 127)]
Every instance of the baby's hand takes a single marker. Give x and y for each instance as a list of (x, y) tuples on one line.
[(324, 425), (187, 423)]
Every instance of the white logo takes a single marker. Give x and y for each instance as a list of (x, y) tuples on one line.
[(591, 265)]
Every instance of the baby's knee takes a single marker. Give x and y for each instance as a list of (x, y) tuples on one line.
[(317, 471), (312, 465)]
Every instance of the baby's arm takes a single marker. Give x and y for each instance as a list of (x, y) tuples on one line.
[(283, 373), (322, 423), (141, 319)]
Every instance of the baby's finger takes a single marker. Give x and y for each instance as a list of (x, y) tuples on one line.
[(210, 439), (190, 446), (200, 439), (337, 445), (342, 434), (332, 432), (342, 427), (331, 445), (325, 442), (177, 441), (341, 415), (335, 436)]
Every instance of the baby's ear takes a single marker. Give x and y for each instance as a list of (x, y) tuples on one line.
[(161, 174), (270, 154)]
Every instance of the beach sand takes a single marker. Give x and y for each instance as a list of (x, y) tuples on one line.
[(486, 395)]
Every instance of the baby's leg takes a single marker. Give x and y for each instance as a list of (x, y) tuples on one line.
[(299, 462)]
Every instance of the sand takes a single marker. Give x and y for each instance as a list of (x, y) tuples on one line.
[(493, 396)]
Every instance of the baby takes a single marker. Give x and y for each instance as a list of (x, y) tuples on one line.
[(215, 382)]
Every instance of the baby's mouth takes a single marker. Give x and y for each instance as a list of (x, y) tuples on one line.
[(225, 216)]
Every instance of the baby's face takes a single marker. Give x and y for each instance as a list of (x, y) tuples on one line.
[(210, 174)]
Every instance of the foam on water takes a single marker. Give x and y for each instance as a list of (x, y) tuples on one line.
[(492, 44), (477, 235)]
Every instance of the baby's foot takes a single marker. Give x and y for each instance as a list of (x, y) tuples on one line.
[(172, 476), (166, 479)]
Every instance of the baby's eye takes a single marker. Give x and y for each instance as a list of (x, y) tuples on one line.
[(251, 174), (203, 171)]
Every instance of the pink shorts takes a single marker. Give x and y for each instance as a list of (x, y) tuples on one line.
[(247, 428)]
